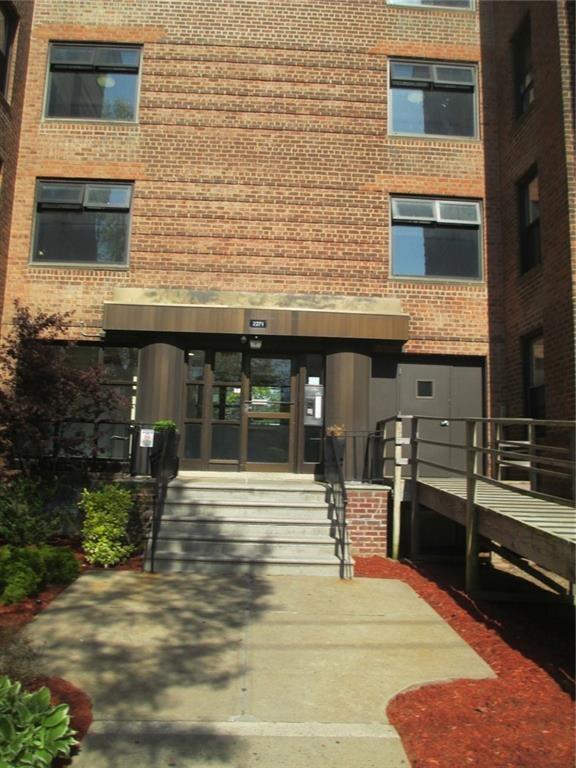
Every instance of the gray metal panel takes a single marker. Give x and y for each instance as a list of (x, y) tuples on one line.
[(409, 374), (466, 399)]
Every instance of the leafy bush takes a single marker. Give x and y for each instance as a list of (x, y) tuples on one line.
[(18, 658), (60, 565), (24, 517), (25, 570), (32, 731), (105, 525), (164, 424)]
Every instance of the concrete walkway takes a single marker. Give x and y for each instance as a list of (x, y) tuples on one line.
[(223, 671)]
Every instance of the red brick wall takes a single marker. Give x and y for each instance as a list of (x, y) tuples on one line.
[(367, 515), (542, 298), (261, 159), (10, 120)]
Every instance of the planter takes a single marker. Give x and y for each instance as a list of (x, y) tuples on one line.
[(165, 444)]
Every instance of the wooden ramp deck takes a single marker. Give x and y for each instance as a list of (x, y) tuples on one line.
[(537, 529)]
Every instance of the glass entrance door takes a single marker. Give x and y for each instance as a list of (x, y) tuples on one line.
[(240, 411), (268, 412)]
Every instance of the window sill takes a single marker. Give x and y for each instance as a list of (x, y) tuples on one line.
[(89, 121), (472, 281), (78, 265), (435, 137)]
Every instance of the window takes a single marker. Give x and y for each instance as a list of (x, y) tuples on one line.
[(424, 388), (432, 99), (529, 216), (435, 238), (534, 377), (93, 82), (523, 69), (451, 4), (8, 23), (82, 223)]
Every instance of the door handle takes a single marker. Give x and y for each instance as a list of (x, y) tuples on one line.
[(444, 423)]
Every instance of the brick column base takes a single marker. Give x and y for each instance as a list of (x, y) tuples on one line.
[(367, 515)]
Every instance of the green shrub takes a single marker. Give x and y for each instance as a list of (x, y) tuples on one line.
[(32, 731), (24, 516), (60, 565), (164, 424), (18, 658), (25, 570), (105, 526)]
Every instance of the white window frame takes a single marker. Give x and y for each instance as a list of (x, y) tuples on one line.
[(433, 64)]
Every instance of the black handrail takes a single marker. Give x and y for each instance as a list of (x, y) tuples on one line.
[(166, 468), (334, 476)]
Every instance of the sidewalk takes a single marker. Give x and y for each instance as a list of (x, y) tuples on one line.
[(276, 672)]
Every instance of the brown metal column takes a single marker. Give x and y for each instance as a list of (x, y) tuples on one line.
[(160, 384), (347, 401)]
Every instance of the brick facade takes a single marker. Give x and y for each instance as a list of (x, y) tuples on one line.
[(11, 106), (261, 155)]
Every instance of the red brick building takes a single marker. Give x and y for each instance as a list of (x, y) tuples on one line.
[(271, 217)]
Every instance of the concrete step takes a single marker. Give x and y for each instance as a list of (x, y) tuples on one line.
[(246, 548), (308, 494), (182, 527), (238, 508), (271, 566)]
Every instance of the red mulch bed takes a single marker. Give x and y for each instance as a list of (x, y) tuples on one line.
[(63, 692), (522, 719)]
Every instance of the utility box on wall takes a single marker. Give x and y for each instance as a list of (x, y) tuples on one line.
[(313, 405)]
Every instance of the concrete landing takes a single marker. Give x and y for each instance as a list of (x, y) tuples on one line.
[(275, 672)]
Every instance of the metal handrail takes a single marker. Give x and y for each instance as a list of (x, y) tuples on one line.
[(334, 476), (163, 477)]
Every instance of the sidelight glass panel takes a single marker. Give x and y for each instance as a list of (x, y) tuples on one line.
[(194, 401), (226, 403), (120, 363), (195, 365), (312, 444), (268, 440), (193, 433), (226, 441), (227, 366)]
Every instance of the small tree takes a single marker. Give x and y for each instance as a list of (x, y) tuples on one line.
[(40, 390)]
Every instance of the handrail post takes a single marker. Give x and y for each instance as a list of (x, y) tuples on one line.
[(414, 527), (398, 488), (533, 474), (471, 511)]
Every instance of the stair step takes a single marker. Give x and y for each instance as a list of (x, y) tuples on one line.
[(218, 509), (255, 494), (269, 565), (245, 548), (245, 527)]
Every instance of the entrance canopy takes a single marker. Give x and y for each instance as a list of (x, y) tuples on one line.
[(262, 314)]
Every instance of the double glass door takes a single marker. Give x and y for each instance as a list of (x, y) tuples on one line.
[(240, 409)]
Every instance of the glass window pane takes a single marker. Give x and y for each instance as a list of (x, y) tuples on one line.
[(413, 210), (122, 407), (424, 388), (194, 394), (104, 196), (314, 369), (78, 439), (226, 403), (455, 75), (432, 112), (225, 441), (403, 70), (227, 366), (532, 200), (270, 371), (435, 251), (113, 441), (268, 440), (537, 362), (195, 365), (82, 357), (464, 212), (72, 54), (99, 237), (92, 95), (114, 56), (120, 363), (65, 194), (192, 441)]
